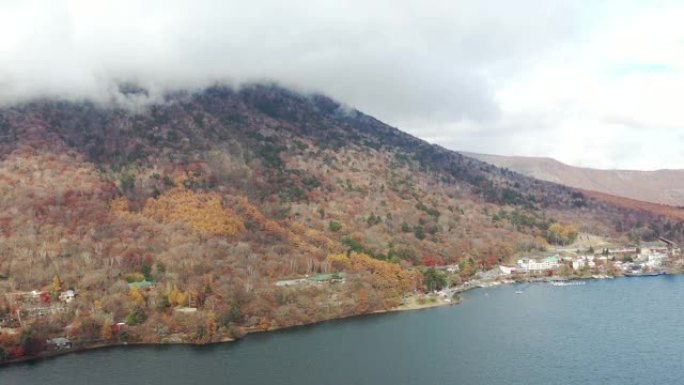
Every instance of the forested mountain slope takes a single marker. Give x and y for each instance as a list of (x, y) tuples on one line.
[(207, 199)]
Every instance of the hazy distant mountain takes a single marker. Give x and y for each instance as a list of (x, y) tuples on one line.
[(661, 186)]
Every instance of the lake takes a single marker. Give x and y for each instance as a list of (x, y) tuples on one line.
[(622, 331)]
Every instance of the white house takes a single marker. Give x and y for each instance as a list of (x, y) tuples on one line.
[(67, 296)]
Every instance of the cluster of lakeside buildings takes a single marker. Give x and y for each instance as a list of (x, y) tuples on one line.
[(29, 305), (26, 307), (644, 260), (622, 260)]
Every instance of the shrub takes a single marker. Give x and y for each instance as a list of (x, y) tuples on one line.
[(136, 316), (334, 226)]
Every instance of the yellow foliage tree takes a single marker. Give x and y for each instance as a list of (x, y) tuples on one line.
[(339, 262), (56, 284), (201, 211), (135, 277), (319, 239), (137, 296), (177, 297), (298, 228), (562, 234)]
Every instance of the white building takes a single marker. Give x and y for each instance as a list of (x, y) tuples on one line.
[(578, 263), (533, 265), (585, 260), (292, 282), (655, 260), (67, 296)]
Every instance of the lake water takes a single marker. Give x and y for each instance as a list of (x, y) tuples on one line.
[(622, 331)]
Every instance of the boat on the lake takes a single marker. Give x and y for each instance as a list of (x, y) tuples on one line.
[(645, 274)]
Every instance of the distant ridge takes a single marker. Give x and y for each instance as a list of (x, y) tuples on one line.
[(660, 186)]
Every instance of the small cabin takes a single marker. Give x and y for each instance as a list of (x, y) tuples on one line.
[(142, 285), (60, 343), (67, 296)]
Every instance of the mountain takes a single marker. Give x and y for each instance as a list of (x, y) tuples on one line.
[(215, 213), (661, 186)]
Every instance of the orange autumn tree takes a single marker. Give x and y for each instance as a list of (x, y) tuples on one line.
[(270, 226), (391, 278), (201, 211), (389, 275), (106, 331), (296, 235), (120, 208)]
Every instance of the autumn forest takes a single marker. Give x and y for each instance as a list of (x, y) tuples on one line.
[(174, 222)]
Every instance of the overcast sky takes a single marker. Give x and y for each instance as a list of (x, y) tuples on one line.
[(591, 83)]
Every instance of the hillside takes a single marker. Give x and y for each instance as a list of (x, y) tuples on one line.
[(665, 211), (180, 218), (661, 186)]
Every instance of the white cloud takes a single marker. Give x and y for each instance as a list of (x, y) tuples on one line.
[(611, 99), (594, 83)]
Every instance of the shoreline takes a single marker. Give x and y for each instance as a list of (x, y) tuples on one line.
[(102, 346), (400, 308)]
